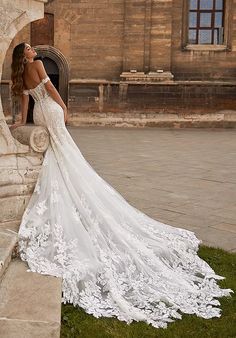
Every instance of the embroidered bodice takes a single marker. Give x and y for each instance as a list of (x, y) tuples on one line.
[(39, 92), (47, 112)]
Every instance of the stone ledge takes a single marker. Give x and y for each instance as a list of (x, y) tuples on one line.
[(219, 119)]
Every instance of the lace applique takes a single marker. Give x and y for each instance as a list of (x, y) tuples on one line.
[(54, 197), (54, 185), (75, 213), (41, 207)]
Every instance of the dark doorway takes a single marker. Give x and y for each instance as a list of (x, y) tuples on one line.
[(53, 72)]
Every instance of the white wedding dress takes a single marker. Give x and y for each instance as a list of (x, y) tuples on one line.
[(114, 260)]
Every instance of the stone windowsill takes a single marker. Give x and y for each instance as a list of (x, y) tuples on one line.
[(166, 82), (5, 81), (199, 48), (92, 81)]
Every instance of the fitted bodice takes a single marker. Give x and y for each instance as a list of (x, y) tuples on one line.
[(39, 92), (47, 112)]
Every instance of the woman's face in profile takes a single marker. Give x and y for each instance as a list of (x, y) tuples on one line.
[(29, 51)]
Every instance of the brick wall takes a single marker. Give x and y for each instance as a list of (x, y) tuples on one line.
[(101, 39), (178, 97), (202, 65)]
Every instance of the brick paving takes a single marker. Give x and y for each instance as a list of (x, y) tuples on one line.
[(182, 177)]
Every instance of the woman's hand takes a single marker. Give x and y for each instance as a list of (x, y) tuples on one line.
[(17, 124)]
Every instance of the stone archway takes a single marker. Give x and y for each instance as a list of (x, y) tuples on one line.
[(13, 17), (54, 54)]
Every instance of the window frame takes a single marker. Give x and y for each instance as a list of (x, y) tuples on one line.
[(226, 45)]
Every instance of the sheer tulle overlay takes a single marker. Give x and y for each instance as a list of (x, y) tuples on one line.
[(114, 260)]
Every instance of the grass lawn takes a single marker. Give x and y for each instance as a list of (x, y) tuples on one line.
[(76, 323)]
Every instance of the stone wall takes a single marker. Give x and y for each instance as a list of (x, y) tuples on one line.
[(101, 40), (178, 104), (203, 64)]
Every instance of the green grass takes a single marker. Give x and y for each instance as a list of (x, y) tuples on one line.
[(77, 324)]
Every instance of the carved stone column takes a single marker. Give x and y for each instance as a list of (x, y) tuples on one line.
[(13, 17), (36, 137), (18, 174), (19, 165)]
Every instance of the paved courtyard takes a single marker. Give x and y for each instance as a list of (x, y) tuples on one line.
[(182, 177)]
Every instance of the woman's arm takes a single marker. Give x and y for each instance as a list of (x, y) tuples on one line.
[(50, 87), (24, 111)]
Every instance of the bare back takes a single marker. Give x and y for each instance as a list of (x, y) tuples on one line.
[(30, 76)]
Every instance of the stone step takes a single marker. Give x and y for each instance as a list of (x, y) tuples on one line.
[(30, 303), (12, 225), (8, 242), (13, 207)]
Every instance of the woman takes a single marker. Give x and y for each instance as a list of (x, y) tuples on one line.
[(113, 259)]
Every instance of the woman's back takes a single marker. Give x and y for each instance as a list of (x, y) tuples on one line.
[(30, 76)]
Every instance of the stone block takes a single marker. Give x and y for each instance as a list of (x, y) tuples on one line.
[(7, 244), (16, 190), (12, 208), (27, 329), (30, 303), (10, 225), (18, 176), (29, 161), (30, 175), (10, 176), (8, 161)]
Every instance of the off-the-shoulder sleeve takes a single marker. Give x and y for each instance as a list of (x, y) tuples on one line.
[(46, 79), (25, 92)]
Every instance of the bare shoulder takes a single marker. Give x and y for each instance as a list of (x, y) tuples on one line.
[(38, 63), (39, 67)]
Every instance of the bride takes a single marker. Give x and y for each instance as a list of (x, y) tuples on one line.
[(114, 260)]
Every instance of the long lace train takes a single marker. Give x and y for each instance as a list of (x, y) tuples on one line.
[(114, 260)]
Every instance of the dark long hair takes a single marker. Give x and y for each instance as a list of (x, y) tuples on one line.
[(17, 69)]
